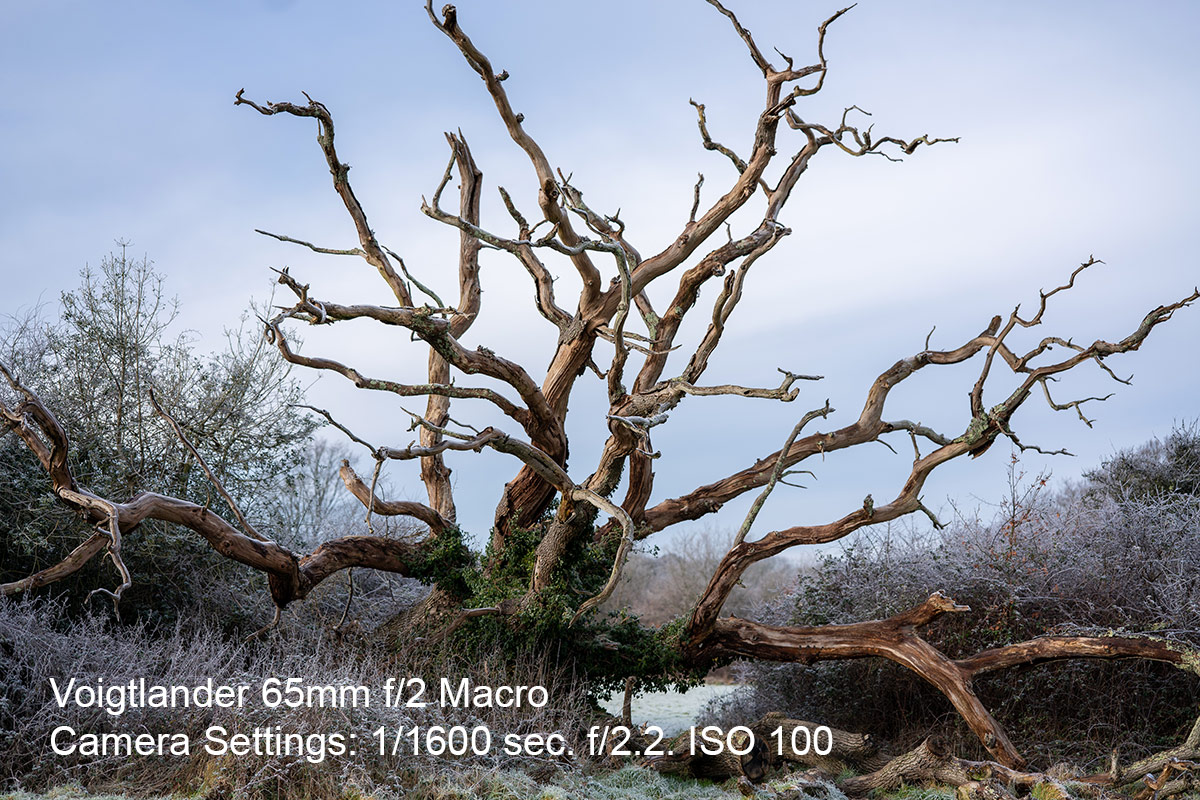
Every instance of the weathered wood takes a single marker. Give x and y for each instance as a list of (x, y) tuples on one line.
[(1188, 750), (678, 758), (932, 762), (850, 751), (929, 761)]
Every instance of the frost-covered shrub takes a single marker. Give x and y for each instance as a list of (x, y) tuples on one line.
[(38, 643)]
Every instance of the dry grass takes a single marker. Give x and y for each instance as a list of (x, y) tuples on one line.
[(37, 643), (630, 783)]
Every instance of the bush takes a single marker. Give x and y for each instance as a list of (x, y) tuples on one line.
[(114, 340)]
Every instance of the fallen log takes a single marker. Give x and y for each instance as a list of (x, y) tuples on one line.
[(1188, 751), (1177, 777), (857, 752), (680, 756), (932, 762), (848, 751)]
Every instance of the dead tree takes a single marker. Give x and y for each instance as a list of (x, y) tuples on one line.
[(574, 515)]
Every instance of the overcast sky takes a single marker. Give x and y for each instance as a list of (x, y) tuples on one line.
[(1076, 121)]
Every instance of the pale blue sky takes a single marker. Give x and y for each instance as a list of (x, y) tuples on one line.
[(1076, 122)]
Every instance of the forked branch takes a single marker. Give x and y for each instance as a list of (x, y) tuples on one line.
[(371, 250)]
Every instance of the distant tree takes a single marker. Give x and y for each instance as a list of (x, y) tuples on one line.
[(312, 504), (658, 587)]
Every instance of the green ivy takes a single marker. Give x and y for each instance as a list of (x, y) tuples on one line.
[(604, 649)]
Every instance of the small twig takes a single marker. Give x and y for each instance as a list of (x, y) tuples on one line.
[(937, 524), (784, 391), (627, 539), (432, 295), (269, 626), (374, 482), (778, 472), (114, 553), (329, 251), (336, 424), (1023, 447), (350, 591), (237, 512), (1075, 404)]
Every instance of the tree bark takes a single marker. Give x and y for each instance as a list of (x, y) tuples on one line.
[(933, 762), (850, 751)]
